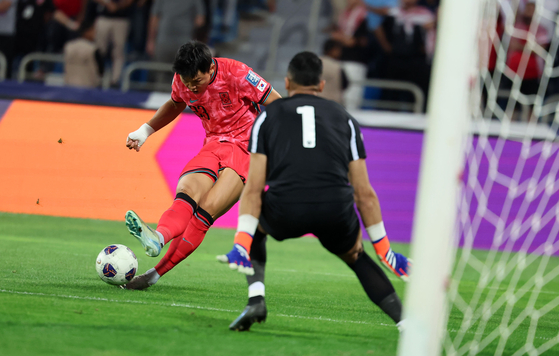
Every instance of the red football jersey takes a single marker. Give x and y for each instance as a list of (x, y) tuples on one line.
[(230, 104)]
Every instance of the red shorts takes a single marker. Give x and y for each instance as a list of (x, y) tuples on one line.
[(216, 156)]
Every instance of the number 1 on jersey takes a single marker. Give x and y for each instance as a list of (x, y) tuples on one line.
[(309, 127)]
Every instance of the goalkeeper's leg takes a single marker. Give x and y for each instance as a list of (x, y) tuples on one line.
[(374, 281), (255, 311)]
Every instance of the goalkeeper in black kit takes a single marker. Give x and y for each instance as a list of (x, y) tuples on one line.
[(309, 152)]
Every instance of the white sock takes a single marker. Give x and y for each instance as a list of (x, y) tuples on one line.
[(376, 232), (256, 289), (161, 238), (154, 276)]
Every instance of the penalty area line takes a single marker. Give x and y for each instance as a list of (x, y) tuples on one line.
[(181, 305)]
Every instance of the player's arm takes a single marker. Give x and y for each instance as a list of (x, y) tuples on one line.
[(274, 95), (166, 113), (251, 198), (366, 198)]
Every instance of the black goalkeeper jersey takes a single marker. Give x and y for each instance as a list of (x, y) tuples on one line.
[(309, 142)]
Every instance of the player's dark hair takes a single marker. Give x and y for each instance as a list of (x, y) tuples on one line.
[(192, 57), (305, 69), (329, 45)]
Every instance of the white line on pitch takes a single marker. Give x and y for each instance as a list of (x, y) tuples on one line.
[(327, 274), (180, 305)]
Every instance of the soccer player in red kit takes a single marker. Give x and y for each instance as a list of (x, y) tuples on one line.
[(225, 95)]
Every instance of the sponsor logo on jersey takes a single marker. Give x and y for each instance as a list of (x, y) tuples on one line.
[(252, 78), (262, 85), (193, 101), (225, 99)]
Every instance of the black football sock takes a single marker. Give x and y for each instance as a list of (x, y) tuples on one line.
[(377, 286), (392, 306), (258, 257)]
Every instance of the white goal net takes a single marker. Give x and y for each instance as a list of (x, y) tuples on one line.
[(499, 289), (504, 290)]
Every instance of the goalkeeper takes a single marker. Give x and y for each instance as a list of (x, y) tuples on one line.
[(307, 150)]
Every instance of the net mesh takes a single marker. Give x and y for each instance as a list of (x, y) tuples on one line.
[(504, 290)]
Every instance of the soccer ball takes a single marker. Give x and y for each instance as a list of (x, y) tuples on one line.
[(116, 264)]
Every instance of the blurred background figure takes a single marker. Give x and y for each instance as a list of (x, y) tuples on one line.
[(66, 21), (22, 29), (530, 69), (111, 32), (407, 37), (171, 24), (202, 33), (332, 72), (8, 31), (83, 64), (352, 33), (139, 18)]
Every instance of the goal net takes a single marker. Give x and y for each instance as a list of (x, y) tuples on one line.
[(502, 288)]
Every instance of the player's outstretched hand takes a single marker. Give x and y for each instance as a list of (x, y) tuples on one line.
[(238, 259), (399, 264), (136, 139)]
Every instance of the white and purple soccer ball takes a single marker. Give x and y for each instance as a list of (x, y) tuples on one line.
[(116, 264)]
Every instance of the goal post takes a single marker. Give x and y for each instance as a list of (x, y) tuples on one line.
[(442, 164), (485, 240)]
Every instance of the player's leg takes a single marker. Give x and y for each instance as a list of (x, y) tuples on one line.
[(174, 220), (374, 281), (255, 311), (150, 277), (337, 227), (219, 199), (197, 178), (272, 220)]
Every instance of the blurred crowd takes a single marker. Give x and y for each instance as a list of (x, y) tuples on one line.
[(92, 33), (386, 39), (395, 39)]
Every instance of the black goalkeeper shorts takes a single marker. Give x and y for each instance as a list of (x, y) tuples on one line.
[(335, 224)]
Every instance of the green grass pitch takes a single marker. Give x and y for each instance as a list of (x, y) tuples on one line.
[(53, 303)]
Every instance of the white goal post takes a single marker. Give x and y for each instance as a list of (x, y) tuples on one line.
[(442, 163), (475, 185)]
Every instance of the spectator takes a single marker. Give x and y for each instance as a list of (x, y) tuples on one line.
[(332, 72), (529, 68), (83, 64), (352, 33), (432, 5), (30, 20), (67, 18), (202, 34), (375, 18), (172, 23), (112, 28), (7, 31), (139, 25), (407, 37)]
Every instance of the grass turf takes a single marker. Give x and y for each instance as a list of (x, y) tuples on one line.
[(53, 303)]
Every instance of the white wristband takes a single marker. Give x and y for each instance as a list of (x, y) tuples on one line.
[(247, 223), (148, 130), (141, 134)]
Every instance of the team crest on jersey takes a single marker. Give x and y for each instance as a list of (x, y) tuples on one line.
[(262, 85), (225, 99), (252, 78)]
